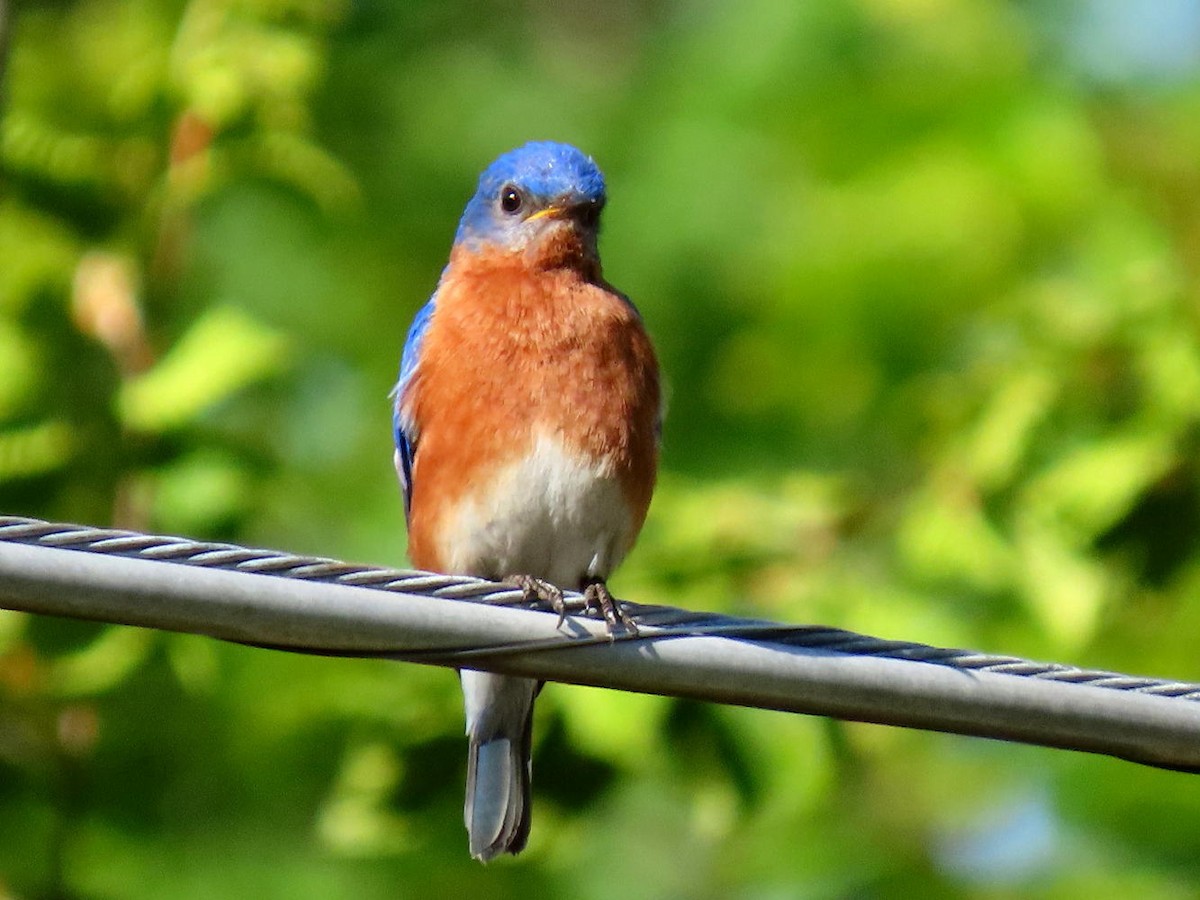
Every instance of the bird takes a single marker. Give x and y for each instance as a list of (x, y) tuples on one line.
[(527, 420)]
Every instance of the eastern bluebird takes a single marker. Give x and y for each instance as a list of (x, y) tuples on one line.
[(527, 420)]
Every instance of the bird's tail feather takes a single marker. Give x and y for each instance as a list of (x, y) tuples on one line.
[(499, 726), (497, 808)]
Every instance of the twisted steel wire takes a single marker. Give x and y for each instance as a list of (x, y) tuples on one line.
[(654, 622)]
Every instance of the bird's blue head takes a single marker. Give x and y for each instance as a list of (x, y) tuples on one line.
[(543, 190)]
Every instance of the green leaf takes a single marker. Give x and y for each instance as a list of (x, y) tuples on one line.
[(1063, 587), (200, 490), (224, 351), (1005, 431), (18, 369), (103, 664), (36, 450), (11, 626), (945, 536), (1092, 488), (36, 250), (611, 725)]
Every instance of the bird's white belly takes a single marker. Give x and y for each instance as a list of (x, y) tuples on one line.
[(548, 515)]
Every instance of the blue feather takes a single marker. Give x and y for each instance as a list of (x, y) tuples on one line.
[(405, 431), (546, 171)]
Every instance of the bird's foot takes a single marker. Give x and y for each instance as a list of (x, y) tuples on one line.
[(596, 599), (537, 590), (596, 596)]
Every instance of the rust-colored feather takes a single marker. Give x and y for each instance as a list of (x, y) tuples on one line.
[(513, 350)]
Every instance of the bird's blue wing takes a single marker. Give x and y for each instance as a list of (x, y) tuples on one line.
[(405, 430)]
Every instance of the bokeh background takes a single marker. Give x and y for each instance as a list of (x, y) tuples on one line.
[(924, 278)]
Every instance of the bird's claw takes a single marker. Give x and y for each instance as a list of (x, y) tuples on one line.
[(596, 599), (596, 596), (537, 590)]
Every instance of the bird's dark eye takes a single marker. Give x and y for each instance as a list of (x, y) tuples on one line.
[(511, 200)]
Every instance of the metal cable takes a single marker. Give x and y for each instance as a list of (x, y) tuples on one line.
[(664, 621), (322, 606)]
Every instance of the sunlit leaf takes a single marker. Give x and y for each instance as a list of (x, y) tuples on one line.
[(1005, 431), (223, 352), (355, 819), (18, 369), (1064, 587), (200, 490), (34, 450), (617, 727), (194, 661), (37, 253), (1170, 359), (945, 537), (11, 626), (103, 664), (1090, 489), (298, 162)]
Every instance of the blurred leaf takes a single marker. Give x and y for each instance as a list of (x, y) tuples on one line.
[(1170, 360), (1063, 586), (194, 660), (18, 369), (610, 725), (224, 351), (355, 820), (201, 490), (228, 64), (33, 146), (35, 450), (37, 253), (945, 537), (1004, 433), (1089, 490), (103, 664), (298, 162), (1054, 157), (11, 626)]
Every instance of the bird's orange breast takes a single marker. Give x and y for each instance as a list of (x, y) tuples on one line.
[(513, 354)]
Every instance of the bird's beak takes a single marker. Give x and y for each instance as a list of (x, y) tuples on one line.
[(563, 208), (550, 212)]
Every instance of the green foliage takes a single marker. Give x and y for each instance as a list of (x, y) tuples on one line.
[(923, 279), (218, 356)]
